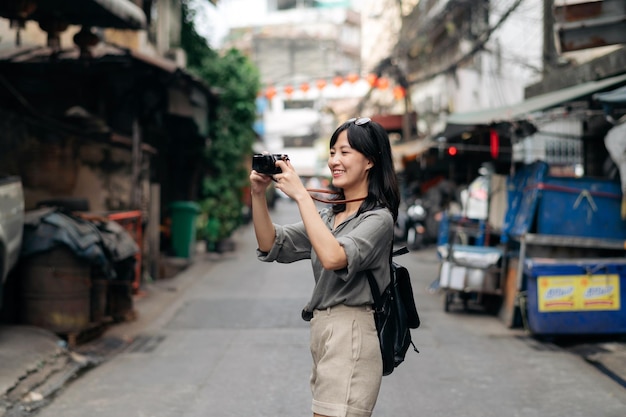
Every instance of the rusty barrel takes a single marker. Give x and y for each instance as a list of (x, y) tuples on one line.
[(56, 291), (120, 299), (99, 293)]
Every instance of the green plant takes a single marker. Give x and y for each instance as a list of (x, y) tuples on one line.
[(226, 159)]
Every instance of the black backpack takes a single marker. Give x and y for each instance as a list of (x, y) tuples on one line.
[(395, 314)]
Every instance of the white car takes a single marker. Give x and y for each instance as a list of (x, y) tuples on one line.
[(11, 224)]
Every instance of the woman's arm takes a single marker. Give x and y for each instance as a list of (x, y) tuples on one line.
[(263, 227), (329, 252)]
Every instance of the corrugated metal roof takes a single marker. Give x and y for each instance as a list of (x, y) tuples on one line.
[(121, 14), (522, 110), (102, 52)]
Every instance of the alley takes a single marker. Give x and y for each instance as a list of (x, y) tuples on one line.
[(226, 339)]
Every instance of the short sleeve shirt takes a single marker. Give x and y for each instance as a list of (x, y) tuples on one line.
[(366, 239)]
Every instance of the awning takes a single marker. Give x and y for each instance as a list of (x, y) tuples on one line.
[(409, 150), (523, 109), (616, 96), (188, 96), (100, 53), (121, 14)]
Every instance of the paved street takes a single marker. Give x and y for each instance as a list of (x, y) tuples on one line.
[(225, 338)]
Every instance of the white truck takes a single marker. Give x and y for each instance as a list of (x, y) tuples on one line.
[(11, 224)]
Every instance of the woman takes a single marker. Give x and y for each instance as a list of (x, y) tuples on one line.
[(343, 242)]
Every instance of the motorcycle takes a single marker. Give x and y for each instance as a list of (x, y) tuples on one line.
[(410, 226)]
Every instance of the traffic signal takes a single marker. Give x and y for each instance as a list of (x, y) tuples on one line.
[(452, 151)]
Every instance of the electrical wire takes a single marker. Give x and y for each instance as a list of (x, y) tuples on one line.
[(479, 45)]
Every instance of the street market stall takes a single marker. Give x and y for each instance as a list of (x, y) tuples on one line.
[(566, 243), (468, 245), (554, 263)]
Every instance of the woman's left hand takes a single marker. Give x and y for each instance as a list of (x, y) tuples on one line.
[(289, 182)]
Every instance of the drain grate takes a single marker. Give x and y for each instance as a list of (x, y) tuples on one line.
[(145, 343)]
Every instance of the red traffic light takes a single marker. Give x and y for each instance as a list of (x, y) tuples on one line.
[(452, 150)]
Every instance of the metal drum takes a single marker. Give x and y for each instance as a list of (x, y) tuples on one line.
[(56, 291)]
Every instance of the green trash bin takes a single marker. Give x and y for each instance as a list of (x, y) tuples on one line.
[(184, 214)]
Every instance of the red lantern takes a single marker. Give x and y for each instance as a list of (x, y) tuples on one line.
[(352, 78), (304, 87), (321, 84), (337, 81), (372, 79), (382, 83), (399, 92), (270, 92)]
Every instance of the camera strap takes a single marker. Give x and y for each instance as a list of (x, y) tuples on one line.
[(322, 200)]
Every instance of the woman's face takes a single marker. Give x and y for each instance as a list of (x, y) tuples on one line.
[(347, 165)]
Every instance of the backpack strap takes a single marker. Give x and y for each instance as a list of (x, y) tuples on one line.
[(399, 251), (374, 288), (372, 280)]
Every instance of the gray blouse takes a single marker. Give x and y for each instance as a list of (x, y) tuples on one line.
[(367, 241)]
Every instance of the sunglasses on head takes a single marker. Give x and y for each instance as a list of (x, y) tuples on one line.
[(360, 121)]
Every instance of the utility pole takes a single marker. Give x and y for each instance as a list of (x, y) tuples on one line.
[(549, 46), (135, 192)]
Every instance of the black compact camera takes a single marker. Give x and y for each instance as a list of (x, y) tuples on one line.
[(265, 163)]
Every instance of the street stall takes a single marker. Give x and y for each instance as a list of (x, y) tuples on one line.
[(469, 249), (566, 242), (471, 273), (558, 254), (554, 263)]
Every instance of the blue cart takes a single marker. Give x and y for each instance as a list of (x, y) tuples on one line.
[(567, 243), (575, 296)]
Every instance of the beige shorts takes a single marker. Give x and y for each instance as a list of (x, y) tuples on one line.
[(347, 364)]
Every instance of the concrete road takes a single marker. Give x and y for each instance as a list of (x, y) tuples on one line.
[(225, 338)]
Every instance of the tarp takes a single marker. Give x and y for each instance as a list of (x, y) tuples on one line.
[(103, 244), (521, 110)]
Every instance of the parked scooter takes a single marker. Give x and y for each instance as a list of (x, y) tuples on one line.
[(416, 228), (410, 227)]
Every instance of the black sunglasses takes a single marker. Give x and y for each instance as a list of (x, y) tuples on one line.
[(359, 121)]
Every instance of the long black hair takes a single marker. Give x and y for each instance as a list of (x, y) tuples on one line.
[(370, 139)]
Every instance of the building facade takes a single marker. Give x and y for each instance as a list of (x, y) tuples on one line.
[(309, 57), (97, 106)]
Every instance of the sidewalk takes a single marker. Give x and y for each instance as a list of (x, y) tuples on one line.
[(35, 363)]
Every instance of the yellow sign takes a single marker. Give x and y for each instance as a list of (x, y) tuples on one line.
[(578, 293)]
